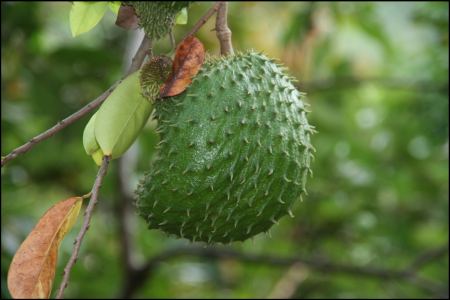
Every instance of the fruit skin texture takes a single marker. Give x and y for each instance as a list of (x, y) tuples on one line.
[(157, 17), (153, 74), (234, 153)]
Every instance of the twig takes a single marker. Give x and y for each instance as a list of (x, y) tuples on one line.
[(59, 126), (203, 19), (326, 267), (222, 31), (87, 218), (320, 265), (138, 58), (135, 65)]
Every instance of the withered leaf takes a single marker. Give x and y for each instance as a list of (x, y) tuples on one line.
[(127, 18), (189, 58), (32, 269)]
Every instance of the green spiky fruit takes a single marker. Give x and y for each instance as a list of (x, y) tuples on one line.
[(157, 17), (153, 74), (234, 153)]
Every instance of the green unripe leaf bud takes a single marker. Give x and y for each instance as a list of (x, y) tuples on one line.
[(121, 117)]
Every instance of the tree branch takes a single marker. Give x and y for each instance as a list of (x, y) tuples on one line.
[(427, 257), (203, 19), (287, 286), (344, 82), (138, 58), (87, 218), (327, 267), (59, 126), (122, 211), (135, 65), (222, 31)]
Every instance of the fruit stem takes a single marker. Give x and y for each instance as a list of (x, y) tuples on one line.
[(222, 31)]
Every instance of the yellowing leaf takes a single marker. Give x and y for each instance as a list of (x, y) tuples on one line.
[(97, 156), (32, 269), (121, 117), (85, 15)]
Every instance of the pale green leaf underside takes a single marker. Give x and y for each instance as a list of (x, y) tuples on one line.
[(85, 15), (121, 117), (182, 17), (89, 142)]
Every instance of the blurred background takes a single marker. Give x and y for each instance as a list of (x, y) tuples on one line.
[(376, 77)]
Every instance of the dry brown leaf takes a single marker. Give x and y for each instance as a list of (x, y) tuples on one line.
[(32, 269), (188, 60), (127, 18)]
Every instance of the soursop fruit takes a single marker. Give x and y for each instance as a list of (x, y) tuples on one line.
[(157, 17), (153, 74), (234, 153)]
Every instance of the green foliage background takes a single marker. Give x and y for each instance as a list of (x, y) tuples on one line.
[(376, 76)]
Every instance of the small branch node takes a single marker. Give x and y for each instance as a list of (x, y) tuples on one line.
[(222, 31)]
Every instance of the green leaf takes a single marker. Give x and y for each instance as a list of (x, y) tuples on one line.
[(85, 15), (114, 6), (182, 17), (89, 142), (121, 117)]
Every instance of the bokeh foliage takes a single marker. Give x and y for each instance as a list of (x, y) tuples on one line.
[(376, 76)]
